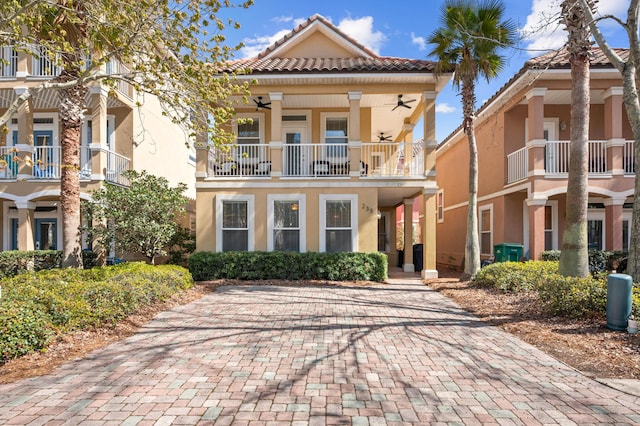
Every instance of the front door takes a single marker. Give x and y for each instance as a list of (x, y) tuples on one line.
[(46, 234), (296, 156)]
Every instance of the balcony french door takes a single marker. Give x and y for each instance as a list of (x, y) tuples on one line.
[(296, 153)]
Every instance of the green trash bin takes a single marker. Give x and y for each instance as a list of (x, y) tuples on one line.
[(508, 252), (619, 289)]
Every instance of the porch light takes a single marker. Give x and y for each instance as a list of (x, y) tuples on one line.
[(563, 125), (294, 207)]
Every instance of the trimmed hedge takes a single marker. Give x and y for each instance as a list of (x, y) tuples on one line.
[(288, 266), (14, 262), (599, 260), (37, 306), (516, 276)]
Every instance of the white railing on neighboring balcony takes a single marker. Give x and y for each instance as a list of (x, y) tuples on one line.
[(240, 160), (116, 67), (8, 162), (401, 159), (44, 64), (517, 165), (46, 162), (85, 162), (8, 61), (116, 165), (629, 157), (557, 154)]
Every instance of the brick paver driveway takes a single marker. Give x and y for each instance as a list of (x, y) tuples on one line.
[(394, 354)]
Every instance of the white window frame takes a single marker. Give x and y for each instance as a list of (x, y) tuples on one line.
[(323, 130), (482, 209), (599, 214), (440, 205), (626, 217), (253, 115), (302, 217), (554, 223), (250, 199), (353, 198), (387, 223)]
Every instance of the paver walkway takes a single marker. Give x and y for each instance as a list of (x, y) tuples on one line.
[(397, 354)]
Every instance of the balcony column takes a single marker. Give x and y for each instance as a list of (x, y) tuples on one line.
[(202, 149), (407, 130), (408, 265), (430, 141), (613, 112), (536, 227), (99, 147), (613, 223), (429, 234), (26, 222), (25, 137), (355, 142), (276, 144), (535, 137)]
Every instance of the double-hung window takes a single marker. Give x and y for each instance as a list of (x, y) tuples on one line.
[(249, 133), (336, 136), (486, 229), (339, 218), (286, 222), (234, 223)]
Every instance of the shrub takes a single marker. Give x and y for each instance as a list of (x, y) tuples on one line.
[(550, 255), (35, 305), (13, 262), (516, 276), (288, 265), (573, 297), (599, 260)]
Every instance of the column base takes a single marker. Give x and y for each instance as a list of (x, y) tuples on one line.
[(408, 267), (429, 273)]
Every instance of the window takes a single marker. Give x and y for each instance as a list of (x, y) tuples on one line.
[(234, 223), (440, 202), (626, 230), (286, 223), (486, 229), (339, 218), (249, 133), (383, 232), (550, 227), (595, 230), (336, 136)]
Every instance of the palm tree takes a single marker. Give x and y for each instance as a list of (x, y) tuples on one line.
[(471, 35), (574, 257)]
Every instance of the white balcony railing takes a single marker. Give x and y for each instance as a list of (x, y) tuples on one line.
[(8, 163), (557, 154), (629, 158), (393, 159), (116, 67), (116, 165), (46, 162), (240, 160), (8, 61), (310, 160), (45, 64), (517, 165)]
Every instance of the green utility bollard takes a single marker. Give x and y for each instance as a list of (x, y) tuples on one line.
[(618, 301)]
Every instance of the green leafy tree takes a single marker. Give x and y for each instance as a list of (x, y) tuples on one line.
[(468, 42), (140, 218), (172, 49), (629, 67), (574, 257)]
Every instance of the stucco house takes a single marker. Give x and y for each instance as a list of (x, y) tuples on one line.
[(324, 151), (122, 130), (523, 148)]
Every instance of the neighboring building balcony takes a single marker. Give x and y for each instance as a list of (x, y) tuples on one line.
[(556, 160), (44, 164), (377, 160)]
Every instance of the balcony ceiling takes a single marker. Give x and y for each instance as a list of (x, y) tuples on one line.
[(563, 97)]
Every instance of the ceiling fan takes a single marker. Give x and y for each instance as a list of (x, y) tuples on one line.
[(402, 103), (260, 104), (383, 138)]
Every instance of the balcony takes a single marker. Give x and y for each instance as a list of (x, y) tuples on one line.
[(46, 164), (556, 160), (385, 160)]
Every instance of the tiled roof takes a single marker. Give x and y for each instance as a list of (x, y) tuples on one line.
[(331, 65), (368, 63), (557, 59)]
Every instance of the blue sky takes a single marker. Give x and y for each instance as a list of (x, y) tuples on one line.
[(399, 28)]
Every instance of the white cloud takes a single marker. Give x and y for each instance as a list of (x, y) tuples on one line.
[(253, 46), (421, 42), (361, 29), (542, 31), (282, 19), (445, 108)]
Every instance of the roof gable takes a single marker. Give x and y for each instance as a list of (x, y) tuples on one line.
[(316, 38)]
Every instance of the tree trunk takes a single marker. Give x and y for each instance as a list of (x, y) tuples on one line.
[(574, 257), (472, 246), (72, 107)]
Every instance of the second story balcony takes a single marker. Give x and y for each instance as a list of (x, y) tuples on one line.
[(315, 160), (44, 162), (556, 160)]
